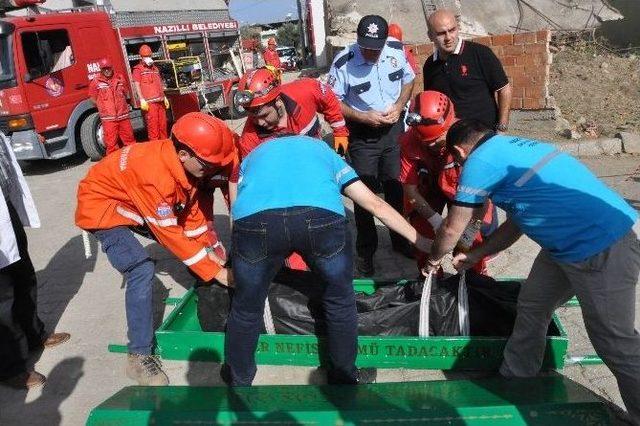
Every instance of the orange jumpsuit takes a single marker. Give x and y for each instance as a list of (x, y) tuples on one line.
[(146, 185), (436, 175), (153, 92), (271, 58), (110, 96)]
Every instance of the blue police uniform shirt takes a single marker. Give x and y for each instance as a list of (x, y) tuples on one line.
[(554, 198), (292, 171), (365, 86)]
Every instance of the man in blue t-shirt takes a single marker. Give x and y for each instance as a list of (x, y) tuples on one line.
[(290, 200), (590, 239)]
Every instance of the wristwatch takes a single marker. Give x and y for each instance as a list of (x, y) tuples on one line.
[(500, 127)]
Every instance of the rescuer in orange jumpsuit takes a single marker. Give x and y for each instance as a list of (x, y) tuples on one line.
[(428, 173), (108, 91), (270, 54), (275, 109), (154, 188), (153, 102)]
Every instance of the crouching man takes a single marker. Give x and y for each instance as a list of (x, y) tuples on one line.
[(155, 186), (590, 240), (290, 200)]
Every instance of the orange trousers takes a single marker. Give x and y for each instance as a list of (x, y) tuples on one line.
[(156, 119), (114, 130)]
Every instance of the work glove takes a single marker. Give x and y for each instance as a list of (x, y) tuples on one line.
[(144, 105), (435, 221), (166, 103), (340, 144)]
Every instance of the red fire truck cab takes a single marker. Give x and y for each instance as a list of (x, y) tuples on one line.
[(48, 59)]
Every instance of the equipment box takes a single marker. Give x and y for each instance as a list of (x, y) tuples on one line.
[(180, 337)]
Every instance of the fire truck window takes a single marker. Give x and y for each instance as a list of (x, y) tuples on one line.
[(6, 70), (190, 46), (220, 56), (47, 51)]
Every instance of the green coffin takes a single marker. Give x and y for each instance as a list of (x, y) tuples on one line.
[(492, 402), (181, 338)]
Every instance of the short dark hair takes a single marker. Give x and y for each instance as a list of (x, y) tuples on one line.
[(465, 132), (179, 146)]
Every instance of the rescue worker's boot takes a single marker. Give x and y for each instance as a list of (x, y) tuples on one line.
[(146, 370)]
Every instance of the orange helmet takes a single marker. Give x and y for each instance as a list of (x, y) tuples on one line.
[(395, 31), (272, 41), (431, 113), (258, 87), (208, 137), (105, 63), (145, 51)]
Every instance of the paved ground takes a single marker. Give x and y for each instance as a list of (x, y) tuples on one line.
[(86, 298)]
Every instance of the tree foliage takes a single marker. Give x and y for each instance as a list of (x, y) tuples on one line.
[(288, 35)]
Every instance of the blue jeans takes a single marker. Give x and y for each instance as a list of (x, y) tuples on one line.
[(261, 243), (126, 254)]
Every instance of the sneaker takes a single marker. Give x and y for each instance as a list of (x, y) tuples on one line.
[(364, 266), (146, 370), (25, 380)]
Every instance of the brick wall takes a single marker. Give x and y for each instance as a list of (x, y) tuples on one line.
[(526, 60)]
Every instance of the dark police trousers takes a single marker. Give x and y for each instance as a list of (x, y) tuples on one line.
[(20, 327), (374, 154)]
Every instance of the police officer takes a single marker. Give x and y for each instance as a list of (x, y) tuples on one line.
[(373, 80)]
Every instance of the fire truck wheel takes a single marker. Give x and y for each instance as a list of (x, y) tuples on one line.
[(91, 137)]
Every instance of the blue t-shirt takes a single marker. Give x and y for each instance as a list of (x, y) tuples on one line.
[(365, 86), (554, 198), (292, 171)]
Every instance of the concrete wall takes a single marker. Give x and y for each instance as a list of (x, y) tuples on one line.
[(526, 60)]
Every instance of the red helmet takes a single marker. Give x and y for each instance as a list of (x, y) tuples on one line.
[(145, 51), (208, 137), (105, 63), (272, 41), (431, 113), (395, 31), (258, 87)]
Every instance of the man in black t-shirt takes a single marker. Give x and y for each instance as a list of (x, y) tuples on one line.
[(469, 73)]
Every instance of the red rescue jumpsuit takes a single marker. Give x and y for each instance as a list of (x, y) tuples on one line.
[(303, 99), (153, 92), (436, 175), (109, 94), (271, 57)]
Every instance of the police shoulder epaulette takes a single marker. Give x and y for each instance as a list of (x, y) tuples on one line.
[(395, 44), (344, 59)]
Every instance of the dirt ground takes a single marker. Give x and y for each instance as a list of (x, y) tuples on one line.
[(595, 86)]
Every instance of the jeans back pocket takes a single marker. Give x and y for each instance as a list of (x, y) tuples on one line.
[(327, 235), (250, 241)]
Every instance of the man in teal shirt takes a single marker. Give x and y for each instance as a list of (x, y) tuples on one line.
[(290, 200), (590, 239)]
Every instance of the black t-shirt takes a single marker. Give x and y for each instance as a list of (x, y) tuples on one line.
[(470, 79)]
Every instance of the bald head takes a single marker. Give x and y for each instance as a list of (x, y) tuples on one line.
[(443, 31)]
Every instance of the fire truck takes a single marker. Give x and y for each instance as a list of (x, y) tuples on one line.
[(48, 57)]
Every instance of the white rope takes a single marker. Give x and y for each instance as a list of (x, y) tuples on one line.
[(87, 244), (463, 305), (268, 319), (423, 321)]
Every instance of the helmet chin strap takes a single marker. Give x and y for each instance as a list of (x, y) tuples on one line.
[(281, 111)]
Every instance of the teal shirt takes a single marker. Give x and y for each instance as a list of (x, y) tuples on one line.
[(292, 171)]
